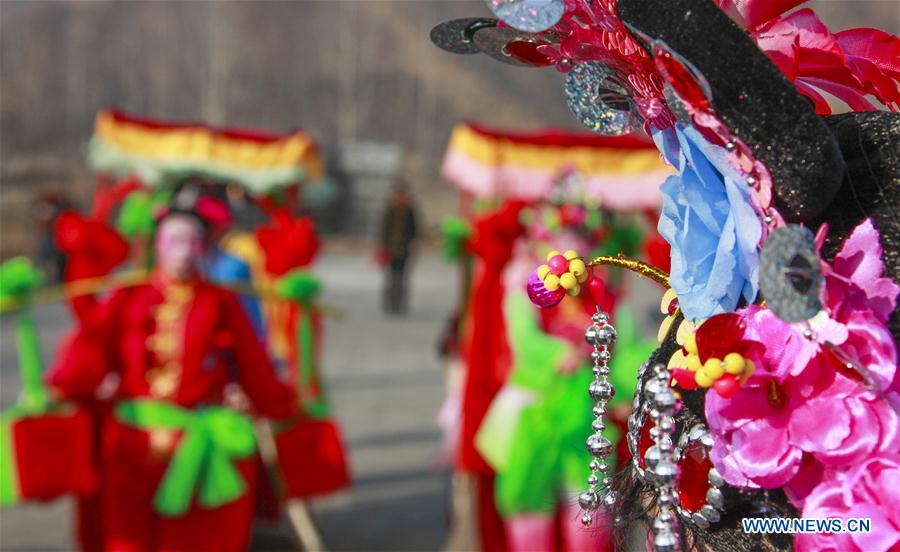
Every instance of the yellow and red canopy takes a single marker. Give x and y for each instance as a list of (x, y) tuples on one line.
[(157, 152), (622, 173)]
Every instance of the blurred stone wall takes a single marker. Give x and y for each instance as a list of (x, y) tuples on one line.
[(346, 71)]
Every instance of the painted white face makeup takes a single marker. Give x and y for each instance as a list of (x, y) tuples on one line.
[(179, 246)]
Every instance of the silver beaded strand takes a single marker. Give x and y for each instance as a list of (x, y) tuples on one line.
[(601, 335), (659, 458)]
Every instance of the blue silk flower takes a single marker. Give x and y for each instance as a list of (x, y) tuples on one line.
[(709, 221)]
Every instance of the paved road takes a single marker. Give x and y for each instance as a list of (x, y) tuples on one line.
[(386, 385)]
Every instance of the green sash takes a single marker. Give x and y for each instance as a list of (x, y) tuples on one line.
[(213, 439)]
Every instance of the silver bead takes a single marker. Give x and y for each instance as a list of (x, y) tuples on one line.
[(599, 446), (715, 498), (610, 499), (661, 525), (665, 516), (700, 521), (730, 146), (594, 465), (600, 371), (710, 513), (660, 371), (653, 387), (666, 424), (600, 356), (652, 456), (599, 410), (655, 433), (606, 483), (665, 499), (665, 402), (714, 478), (751, 181), (588, 500), (600, 317), (665, 541), (665, 472), (665, 444), (603, 468), (598, 425), (592, 480), (600, 336), (600, 390), (586, 520)]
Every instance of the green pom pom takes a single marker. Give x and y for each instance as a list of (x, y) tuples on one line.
[(18, 277), (456, 231), (136, 217), (299, 286)]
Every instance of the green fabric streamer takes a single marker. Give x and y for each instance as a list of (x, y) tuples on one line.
[(9, 478), (301, 287), (136, 216), (18, 278), (456, 231), (204, 461)]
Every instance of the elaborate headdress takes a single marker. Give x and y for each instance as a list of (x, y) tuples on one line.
[(774, 392)]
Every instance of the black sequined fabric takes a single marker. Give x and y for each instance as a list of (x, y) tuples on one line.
[(870, 145), (753, 98)]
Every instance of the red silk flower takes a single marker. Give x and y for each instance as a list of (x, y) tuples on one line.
[(93, 248), (287, 243)]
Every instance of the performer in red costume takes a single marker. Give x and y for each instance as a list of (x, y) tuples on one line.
[(179, 471)]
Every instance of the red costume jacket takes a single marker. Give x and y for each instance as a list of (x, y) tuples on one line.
[(179, 343)]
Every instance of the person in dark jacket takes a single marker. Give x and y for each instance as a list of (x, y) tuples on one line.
[(398, 230)]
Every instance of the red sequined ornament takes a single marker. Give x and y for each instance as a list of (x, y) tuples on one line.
[(644, 442), (682, 81), (527, 52), (694, 483)]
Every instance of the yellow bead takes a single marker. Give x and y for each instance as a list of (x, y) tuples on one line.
[(574, 290), (702, 379), (734, 363), (690, 344), (570, 254), (582, 278), (666, 299), (577, 267), (713, 369), (568, 280), (543, 270), (693, 363), (552, 254), (551, 282)]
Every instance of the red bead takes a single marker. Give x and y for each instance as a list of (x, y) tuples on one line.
[(673, 306), (598, 290), (727, 386), (694, 483), (559, 265)]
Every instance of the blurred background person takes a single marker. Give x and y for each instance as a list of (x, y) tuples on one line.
[(398, 231)]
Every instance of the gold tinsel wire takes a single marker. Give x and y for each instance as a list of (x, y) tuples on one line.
[(639, 267)]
